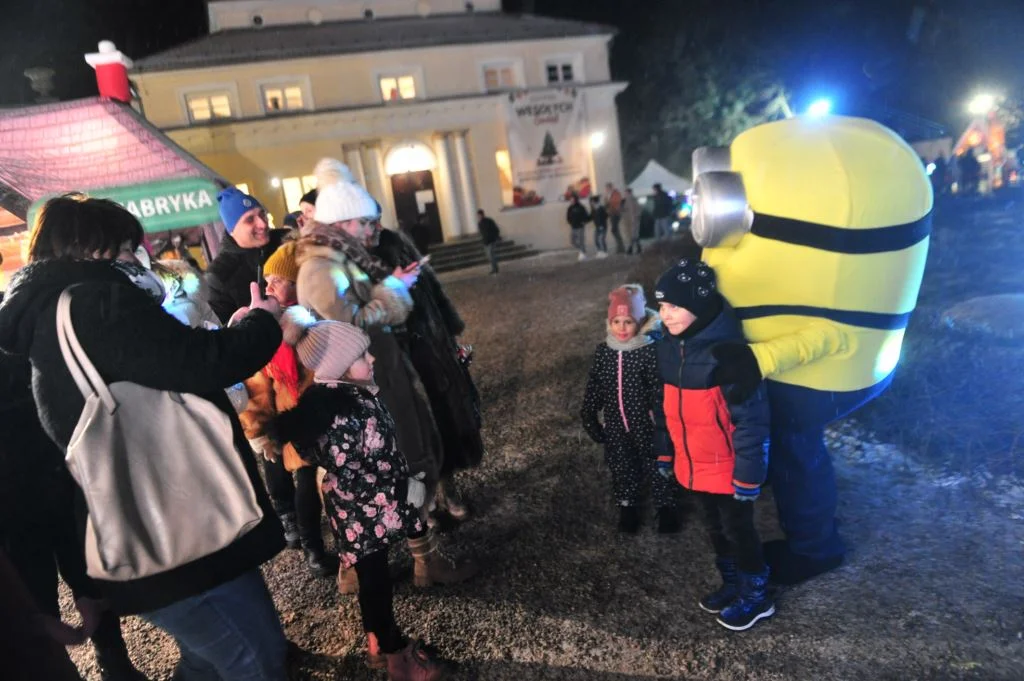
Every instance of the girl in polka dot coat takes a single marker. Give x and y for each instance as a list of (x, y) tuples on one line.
[(623, 384)]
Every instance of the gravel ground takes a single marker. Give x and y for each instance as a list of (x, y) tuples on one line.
[(933, 588)]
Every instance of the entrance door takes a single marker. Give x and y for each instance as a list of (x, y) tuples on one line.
[(414, 197)]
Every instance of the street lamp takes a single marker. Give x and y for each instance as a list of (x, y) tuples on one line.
[(597, 139), (819, 108), (981, 104)]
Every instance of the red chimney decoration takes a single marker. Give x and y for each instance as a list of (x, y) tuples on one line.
[(111, 72)]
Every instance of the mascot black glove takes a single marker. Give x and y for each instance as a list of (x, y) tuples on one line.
[(738, 369)]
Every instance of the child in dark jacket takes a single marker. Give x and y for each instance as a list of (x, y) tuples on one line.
[(341, 425), (717, 450), (622, 384)]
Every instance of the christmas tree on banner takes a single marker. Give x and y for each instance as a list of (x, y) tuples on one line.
[(549, 154)]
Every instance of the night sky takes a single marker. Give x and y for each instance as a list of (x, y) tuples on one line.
[(856, 51)]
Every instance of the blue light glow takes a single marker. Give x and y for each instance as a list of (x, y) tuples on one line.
[(819, 108)]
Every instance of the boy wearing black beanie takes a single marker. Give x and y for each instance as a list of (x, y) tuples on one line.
[(716, 450)]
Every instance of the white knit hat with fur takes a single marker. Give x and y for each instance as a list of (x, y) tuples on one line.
[(327, 348), (339, 196)]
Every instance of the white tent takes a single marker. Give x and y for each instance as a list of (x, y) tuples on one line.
[(655, 173)]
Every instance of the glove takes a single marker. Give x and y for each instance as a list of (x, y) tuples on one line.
[(738, 369), (417, 494), (740, 493), (665, 467)]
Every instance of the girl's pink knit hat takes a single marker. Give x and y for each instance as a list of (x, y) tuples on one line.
[(627, 301)]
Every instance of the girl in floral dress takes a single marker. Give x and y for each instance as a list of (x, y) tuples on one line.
[(342, 426)]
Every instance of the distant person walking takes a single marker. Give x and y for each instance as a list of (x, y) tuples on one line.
[(613, 201), (662, 213), (490, 235), (631, 222), (599, 215), (578, 217)]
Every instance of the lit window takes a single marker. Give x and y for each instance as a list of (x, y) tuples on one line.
[(504, 162), (294, 188), (500, 77), (208, 107), (397, 88), (560, 72), (283, 98)]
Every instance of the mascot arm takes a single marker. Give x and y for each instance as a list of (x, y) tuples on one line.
[(813, 342)]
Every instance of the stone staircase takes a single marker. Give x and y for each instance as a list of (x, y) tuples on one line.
[(467, 251)]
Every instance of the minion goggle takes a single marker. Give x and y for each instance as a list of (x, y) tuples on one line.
[(722, 216)]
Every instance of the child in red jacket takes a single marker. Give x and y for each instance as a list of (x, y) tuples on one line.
[(717, 450)]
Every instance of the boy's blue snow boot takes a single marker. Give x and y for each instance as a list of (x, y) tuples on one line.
[(716, 601), (753, 603)]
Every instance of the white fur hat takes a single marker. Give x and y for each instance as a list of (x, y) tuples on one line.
[(339, 196)]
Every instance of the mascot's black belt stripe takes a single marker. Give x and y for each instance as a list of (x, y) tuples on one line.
[(869, 320), (838, 240)]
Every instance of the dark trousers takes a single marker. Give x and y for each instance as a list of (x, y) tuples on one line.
[(620, 246), (601, 238), (296, 495), (578, 241), (50, 546), (628, 456), (376, 601), (730, 527), (492, 255)]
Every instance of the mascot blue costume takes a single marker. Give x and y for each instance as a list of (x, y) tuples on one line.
[(818, 231)]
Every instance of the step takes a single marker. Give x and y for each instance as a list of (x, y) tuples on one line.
[(439, 256), (515, 253)]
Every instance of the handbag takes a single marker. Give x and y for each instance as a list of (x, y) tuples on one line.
[(162, 480)]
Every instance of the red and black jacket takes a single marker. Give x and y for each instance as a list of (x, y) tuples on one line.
[(711, 444)]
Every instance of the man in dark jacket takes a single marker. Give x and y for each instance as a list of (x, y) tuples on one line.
[(490, 235), (243, 250), (578, 217), (662, 213)]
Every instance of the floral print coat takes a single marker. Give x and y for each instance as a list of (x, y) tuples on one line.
[(345, 429)]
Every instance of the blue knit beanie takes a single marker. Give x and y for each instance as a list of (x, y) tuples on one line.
[(233, 205)]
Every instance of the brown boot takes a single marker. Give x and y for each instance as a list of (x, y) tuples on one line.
[(348, 581), (413, 663), (431, 566)]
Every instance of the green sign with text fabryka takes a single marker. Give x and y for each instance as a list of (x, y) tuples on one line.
[(160, 206)]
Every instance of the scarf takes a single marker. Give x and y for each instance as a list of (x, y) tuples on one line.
[(284, 369), (322, 235)]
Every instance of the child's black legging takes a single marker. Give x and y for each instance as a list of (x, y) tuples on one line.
[(375, 601)]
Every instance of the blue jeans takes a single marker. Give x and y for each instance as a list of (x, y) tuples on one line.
[(229, 633), (577, 240), (601, 238), (662, 228)]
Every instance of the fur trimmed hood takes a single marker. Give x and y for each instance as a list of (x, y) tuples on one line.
[(186, 293)]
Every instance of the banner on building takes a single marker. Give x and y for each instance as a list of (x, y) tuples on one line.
[(547, 144)]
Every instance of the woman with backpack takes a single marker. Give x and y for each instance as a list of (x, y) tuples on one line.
[(201, 582)]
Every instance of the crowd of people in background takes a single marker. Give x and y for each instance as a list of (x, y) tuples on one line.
[(326, 354)]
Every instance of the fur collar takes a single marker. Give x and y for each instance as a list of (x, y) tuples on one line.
[(643, 335)]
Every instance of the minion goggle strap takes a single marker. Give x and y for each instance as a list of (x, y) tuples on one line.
[(722, 216)]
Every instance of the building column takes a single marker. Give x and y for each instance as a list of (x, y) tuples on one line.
[(379, 184), (465, 171), (448, 196), (354, 161)]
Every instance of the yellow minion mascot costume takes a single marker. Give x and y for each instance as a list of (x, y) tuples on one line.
[(818, 231)]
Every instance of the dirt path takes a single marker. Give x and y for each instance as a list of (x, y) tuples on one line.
[(933, 590)]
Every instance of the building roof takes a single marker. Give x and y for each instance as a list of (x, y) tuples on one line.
[(83, 144), (273, 43)]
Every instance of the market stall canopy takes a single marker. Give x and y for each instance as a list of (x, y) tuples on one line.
[(655, 173), (86, 144)]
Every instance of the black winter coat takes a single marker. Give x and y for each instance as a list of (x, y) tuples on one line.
[(129, 337), (489, 232), (577, 216), (229, 275), (429, 336), (623, 384)]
